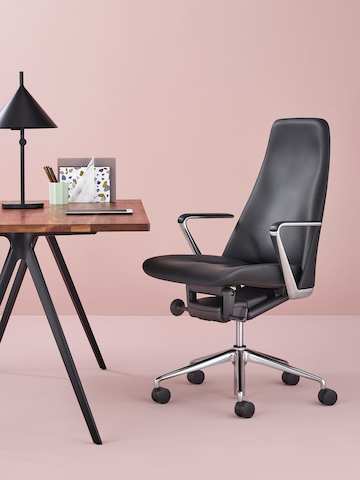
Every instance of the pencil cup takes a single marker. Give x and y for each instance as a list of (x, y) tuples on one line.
[(58, 193)]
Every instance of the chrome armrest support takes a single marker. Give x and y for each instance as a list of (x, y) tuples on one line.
[(292, 289), (183, 219)]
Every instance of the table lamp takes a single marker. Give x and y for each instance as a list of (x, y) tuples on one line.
[(22, 112)]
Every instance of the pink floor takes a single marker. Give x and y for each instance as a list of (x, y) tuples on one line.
[(196, 435)]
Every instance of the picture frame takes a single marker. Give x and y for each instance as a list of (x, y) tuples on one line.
[(98, 162)]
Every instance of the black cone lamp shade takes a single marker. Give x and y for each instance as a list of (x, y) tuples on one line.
[(22, 112)]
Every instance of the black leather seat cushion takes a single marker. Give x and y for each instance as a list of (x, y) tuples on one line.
[(219, 271)]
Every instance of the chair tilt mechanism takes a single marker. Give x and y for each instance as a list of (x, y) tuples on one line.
[(269, 259), (228, 303)]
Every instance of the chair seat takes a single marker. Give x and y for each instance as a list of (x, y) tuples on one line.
[(215, 271)]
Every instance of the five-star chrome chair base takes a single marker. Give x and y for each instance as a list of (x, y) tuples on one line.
[(240, 355)]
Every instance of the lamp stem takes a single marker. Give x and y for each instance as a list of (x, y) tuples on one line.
[(22, 143)]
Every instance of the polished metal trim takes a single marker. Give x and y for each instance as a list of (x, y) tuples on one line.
[(267, 362), (266, 355), (239, 355), (292, 289), (239, 334), (185, 229), (206, 357), (192, 367), (189, 237), (239, 374)]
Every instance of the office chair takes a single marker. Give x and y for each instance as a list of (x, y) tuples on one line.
[(269, 259)]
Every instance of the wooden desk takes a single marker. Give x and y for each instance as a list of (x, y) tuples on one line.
[(52, 219), (23, 228)]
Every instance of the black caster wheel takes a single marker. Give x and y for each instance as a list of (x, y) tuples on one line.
[(160, 395), (327, 396), (244, 409), (290, 378), (197, 377), (177, 307)]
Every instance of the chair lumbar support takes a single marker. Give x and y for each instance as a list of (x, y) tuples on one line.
[(240, 355)]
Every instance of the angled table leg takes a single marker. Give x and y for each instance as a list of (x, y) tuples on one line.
[(12, 297), (6, 272), (13, 293), (54, 246), (60, 340)]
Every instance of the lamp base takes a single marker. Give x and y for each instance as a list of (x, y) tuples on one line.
[(22, 206)]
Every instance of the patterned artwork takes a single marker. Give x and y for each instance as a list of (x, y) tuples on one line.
[(87, 184)]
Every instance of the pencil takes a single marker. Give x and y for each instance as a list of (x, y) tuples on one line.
[(53, 175), (46, 169)]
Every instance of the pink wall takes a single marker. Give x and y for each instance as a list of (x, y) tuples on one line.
[(183, 93)]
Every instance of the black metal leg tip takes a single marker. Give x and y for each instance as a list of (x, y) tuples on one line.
[(95, 435)]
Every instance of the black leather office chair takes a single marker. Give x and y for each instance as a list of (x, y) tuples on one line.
[(270, 257)]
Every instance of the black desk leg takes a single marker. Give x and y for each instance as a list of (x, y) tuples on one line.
[(6, 272), (61, 342), (13, 292), (54, 246), (12, 297)]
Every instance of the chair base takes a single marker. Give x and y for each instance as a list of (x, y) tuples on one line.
[(240, 355)]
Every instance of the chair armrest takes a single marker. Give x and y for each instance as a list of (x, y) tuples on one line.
[(183, 219), (292, 289), (185, 216)]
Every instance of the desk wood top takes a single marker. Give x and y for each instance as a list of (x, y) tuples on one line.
[(53, 219)]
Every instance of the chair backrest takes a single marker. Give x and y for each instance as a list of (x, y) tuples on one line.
[(291, 186)]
